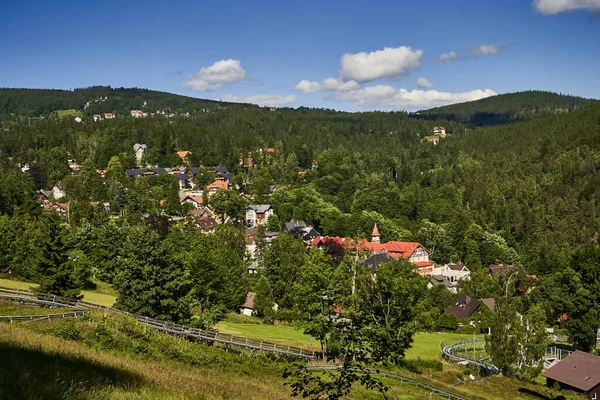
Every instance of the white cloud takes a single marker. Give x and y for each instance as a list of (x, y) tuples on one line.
[(452, 56), (219, 74), (552, 7), (390, 97), (327, 84), (385, 63), (269, 100), (484, 49), (424, 83)]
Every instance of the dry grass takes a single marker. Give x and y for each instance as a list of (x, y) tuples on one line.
[(98, 375)]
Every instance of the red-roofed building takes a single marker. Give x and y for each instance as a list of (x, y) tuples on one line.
[(184, 154), (218, 184), (411, 251)]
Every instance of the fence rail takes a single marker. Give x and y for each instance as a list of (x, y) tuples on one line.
[(28, 296), (450, 395), (448, 352)]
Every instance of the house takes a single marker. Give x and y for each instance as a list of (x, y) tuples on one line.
[(218, 184), (184, 154), (436, 280), (411, 251), (59, 208), (248, 307), (579, 372), (299, 229), (44, 195), (202, 212), (453, 272), (97, 117), (138, 114), (195, 201), (497, 269), (77, 118), (207, 224), (465, 306), (58, 192), (109, 116), (439, 131), (139, 150), (258, 214)]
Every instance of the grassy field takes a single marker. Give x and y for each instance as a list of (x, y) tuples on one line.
[(103, 295), (11, 308), (69, 113), (425, 346)]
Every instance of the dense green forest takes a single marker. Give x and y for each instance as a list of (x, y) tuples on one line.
[(19, 105), (507, 108), (523, 193)]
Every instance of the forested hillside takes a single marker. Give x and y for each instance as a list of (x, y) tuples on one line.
[(507, 108), (18, 105), (524, 193)]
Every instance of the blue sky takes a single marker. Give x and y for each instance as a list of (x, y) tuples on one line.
[(380, 55)]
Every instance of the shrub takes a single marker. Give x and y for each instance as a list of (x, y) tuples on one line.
[(448, 322), (67, 330)]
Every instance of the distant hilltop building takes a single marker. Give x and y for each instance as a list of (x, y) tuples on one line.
[(139, 150), (138, 114), (439, 131)]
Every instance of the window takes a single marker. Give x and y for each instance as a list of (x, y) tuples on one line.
[(594, 396)]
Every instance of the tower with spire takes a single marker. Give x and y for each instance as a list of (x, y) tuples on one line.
[(375, 234)]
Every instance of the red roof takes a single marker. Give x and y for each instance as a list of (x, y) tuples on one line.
[(269, 150), (422, 264), (401, 250)]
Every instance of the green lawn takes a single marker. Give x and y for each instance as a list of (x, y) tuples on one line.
[(100, 296), (69, 113), (425, 345), (284, 334)]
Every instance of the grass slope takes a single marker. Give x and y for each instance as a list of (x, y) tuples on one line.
[(102, 295), (113, 357)]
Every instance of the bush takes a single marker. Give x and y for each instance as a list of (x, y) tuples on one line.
[(418, 365), (448, 322), (67, 330)]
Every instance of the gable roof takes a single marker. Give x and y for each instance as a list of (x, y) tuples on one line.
[(138, 146), (464, 306), (207, 223), (259, 208), (183, 154), (496, 269), (579, 370), (249, 303), (195, 199)]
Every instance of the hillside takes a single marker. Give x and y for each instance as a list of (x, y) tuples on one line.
[(18, 105), (507, 108)]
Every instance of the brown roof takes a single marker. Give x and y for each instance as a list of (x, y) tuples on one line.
[(249, 301), (579, 370), (456, 267), (464, 306), (207, 223), (495, 269)]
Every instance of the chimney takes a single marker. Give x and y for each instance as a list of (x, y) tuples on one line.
[(375, 235)]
